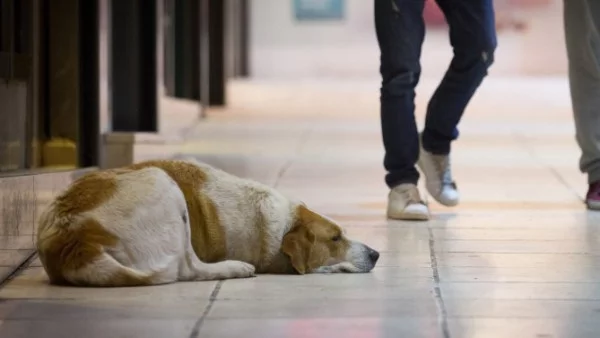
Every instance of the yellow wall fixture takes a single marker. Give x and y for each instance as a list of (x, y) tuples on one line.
[(59, 153)]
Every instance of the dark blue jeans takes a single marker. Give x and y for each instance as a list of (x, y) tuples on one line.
[(400, 31)]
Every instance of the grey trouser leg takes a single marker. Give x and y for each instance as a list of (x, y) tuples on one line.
[(582, 31)]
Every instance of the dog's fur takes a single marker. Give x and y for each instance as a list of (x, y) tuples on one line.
[(159, 222)]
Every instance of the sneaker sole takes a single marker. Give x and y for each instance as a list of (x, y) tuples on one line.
[(593, 205), (408, 216), (438, 199), (445, 203)]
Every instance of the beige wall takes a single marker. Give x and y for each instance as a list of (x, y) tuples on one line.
[(283, 48), (543, 47)]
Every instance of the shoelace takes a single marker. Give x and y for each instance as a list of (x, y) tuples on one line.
[(411, 196), (443, 167)]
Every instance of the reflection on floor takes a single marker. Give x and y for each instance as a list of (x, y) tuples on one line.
[(518, 258)]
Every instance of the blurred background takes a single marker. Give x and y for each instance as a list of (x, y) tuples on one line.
[(342, 45), (76, 75)]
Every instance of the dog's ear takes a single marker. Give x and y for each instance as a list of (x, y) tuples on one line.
[(297, 245)]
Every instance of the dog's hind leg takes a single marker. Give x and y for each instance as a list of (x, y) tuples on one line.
[(195, 269), (192, 268)]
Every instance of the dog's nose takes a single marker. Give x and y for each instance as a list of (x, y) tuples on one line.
[(373, 255)]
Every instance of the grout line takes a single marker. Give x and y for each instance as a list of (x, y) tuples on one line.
[(523, 142), (284, 168), (288, 164), (439, 300), (17, 271), (213, 297)]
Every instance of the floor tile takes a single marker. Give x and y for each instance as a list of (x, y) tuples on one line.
[(94, 328), (33, 284), (328, 327), (323, 308), (518, 260), (556, 310), (548, 274), (524, 328), (383, 284), (79, 308), (521, 291), (531, 247)]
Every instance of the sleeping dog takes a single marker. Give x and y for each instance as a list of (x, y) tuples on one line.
[(164, 221)]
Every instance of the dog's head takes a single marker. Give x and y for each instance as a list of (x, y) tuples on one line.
[(316, 244)]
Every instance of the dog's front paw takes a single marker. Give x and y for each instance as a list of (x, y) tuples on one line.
[(239, 269), (337, 268), (323, 269)]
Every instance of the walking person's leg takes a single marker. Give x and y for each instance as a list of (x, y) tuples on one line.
[(473, 38), (400, 31), (582, 33)]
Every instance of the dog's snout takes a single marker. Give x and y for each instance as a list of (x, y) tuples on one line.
[(373, 255)]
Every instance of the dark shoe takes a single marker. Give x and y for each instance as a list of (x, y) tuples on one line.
[(592, 199)]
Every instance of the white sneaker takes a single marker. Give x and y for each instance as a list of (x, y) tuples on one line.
[(404, 202), (438, 177)]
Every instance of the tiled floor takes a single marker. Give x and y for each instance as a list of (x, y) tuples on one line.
[(520, 257)]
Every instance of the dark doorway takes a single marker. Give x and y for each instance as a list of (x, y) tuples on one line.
[(134, 84)]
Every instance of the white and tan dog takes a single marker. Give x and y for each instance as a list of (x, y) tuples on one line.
[(164, 221)]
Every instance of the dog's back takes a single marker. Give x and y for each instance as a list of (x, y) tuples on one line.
[(82, 234)]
